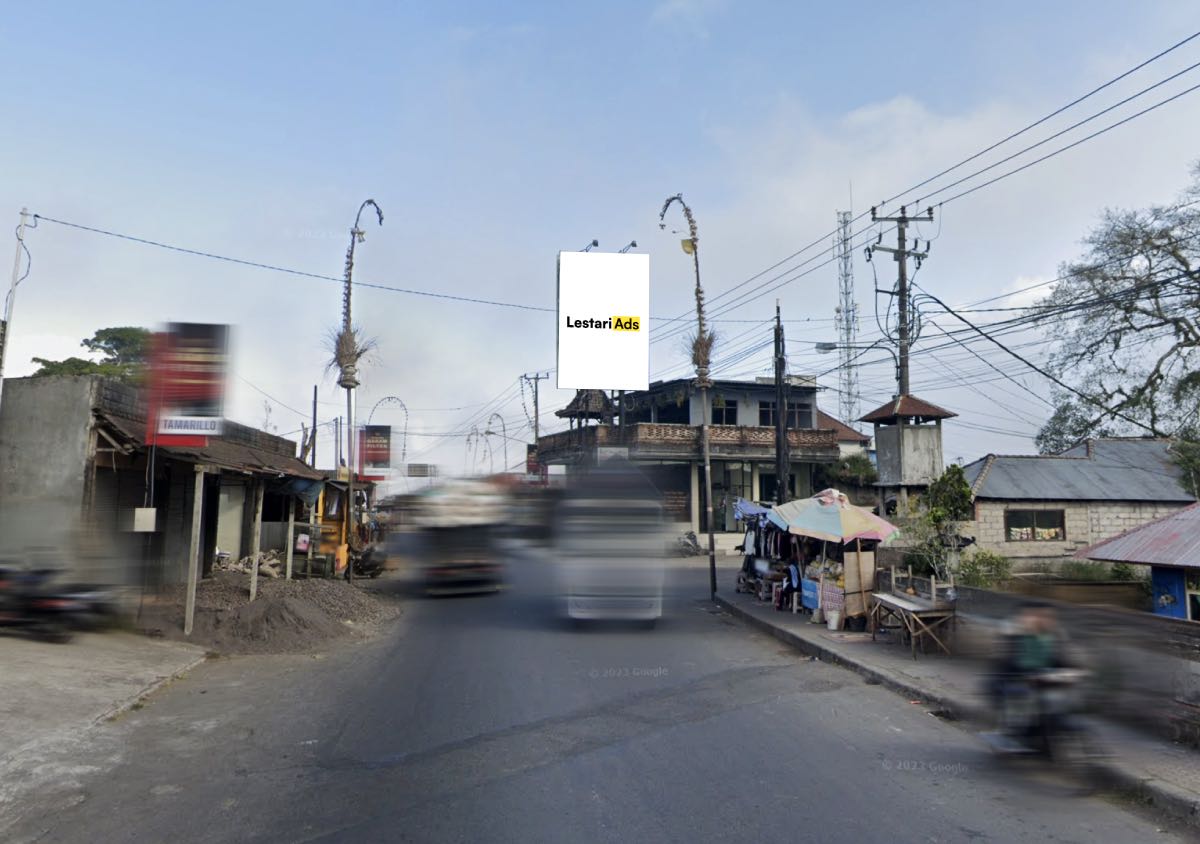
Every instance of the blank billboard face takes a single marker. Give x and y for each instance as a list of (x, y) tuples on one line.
[(603, 321)]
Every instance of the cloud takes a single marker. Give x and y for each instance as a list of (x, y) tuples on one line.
[(692, 15)]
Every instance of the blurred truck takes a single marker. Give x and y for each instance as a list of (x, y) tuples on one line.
[(458, 522)]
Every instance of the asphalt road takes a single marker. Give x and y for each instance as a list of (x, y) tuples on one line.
[(485, 719)]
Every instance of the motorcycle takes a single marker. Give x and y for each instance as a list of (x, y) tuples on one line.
[(29, 603), (687, 545), (371, 562), (1039, 716)]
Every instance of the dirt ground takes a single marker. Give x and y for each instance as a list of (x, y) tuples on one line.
[(287, 616)]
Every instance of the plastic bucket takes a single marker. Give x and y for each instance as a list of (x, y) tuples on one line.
[(833, 619)]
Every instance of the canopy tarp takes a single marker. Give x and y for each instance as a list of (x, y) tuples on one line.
[(743, 509)]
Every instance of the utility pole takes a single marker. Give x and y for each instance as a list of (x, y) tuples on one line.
[(781, 437), (6, 324), (901, 254), (847, 322), (533, 380), (313, 452)]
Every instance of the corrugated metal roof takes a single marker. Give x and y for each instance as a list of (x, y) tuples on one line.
[(1118, 470), (1170, 541), (907, 407), (219, 452)]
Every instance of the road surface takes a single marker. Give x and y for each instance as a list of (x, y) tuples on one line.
[(485, 719)]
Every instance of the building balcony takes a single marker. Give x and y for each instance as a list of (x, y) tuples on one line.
[(662, 441)]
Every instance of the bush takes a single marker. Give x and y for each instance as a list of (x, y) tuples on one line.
[(984, 569), (1123, 571), (1084, 570)]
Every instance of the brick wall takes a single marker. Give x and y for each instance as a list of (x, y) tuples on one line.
[(1086, 522)]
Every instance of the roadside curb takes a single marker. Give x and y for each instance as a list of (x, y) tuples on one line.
[(955, 709), (1173, 801), (128, 703)]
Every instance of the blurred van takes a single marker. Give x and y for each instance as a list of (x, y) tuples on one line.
[(609, 545)]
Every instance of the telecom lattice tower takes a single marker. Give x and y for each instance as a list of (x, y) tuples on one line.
[(847, 323)]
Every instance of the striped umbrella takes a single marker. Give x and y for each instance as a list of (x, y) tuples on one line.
[(830, 516)]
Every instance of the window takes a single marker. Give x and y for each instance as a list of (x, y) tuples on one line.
[(799, 414), (766, 414), (724, 412), (1035, 525), (675, 414)]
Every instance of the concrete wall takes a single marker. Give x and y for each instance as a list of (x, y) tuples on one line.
[(909, 455), (1086, 522), (45, 445), (747, 403)]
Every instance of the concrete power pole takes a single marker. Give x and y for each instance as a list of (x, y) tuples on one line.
[(6, 324), (847, 323), (901, 254), (781, 438), (533, 382)]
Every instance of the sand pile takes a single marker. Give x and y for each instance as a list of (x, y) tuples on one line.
[(287, 615)]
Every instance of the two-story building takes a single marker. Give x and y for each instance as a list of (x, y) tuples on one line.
[(658, 429)]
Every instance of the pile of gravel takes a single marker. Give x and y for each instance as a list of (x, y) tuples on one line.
[(287, 616)]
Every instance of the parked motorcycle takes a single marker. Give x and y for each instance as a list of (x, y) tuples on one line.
[(370, 563), (1039, 716), (29, 602), (687, 545)]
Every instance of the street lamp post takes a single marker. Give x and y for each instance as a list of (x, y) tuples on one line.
[(701, 352), (348, 353), (826, 348), (503, 435)]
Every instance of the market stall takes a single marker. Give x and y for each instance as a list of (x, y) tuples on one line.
[(837, 551)]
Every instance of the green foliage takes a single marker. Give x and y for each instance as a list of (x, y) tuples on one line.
[(1069, 425), (853, 470), (124, 351), (932, 528), (1085, 570), (948, 499), (1185, 453), (1123, 571), (984, 569), (123, 346)]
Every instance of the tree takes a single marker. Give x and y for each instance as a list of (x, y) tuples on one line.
[(1069, 424), (124, 351), (1126, 316), (852, 470), (933, 529)]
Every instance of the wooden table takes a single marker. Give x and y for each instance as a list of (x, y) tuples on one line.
[(920, 621)]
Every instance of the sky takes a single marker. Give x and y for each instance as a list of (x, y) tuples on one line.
[(494, 136)]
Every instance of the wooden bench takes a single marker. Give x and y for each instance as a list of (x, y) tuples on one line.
[(919, 620)]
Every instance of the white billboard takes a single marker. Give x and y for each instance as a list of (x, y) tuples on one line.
[(603, 321)]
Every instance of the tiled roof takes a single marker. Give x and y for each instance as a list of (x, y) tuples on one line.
[(907, 407), (845, 433)]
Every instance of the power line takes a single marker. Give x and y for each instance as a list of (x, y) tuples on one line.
[(1049, 116), (1043, 372)]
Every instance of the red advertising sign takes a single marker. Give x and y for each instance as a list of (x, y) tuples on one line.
[(188, 363), (375, 451)]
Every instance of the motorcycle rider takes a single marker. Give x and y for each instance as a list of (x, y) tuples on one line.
[(1034, 647)]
